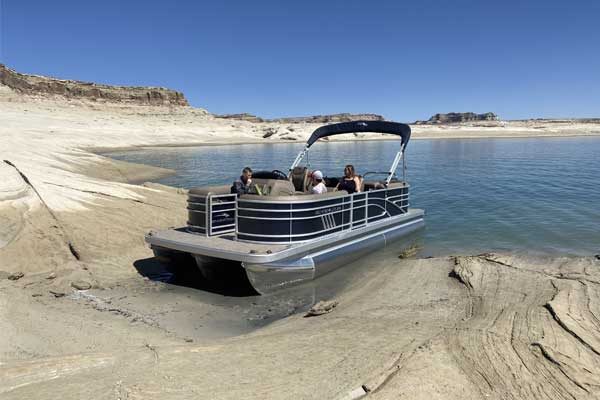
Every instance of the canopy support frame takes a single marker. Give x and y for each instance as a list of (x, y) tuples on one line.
[(392, 171), (362, 126), (299, 158)]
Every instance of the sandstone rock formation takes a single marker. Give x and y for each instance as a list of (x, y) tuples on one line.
[(331, 118), (52, 87), (454, 117), (242, 116), (320, 119)]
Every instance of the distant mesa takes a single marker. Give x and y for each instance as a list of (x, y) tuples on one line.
[(317, 119), (51, 87), (41, 86), (331, 118), (454, 117), (242, 117)]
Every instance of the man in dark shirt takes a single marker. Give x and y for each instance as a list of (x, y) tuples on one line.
[(244, 185)]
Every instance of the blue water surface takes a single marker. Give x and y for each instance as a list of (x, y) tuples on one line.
[(516, 195)]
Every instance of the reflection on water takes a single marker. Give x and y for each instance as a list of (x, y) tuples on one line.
[(524, 195)]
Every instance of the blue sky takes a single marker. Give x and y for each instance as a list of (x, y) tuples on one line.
[(404, 59)]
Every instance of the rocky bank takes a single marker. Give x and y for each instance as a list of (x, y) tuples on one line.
[(34, 85)]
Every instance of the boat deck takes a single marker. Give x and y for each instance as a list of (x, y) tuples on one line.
[(182, 240)]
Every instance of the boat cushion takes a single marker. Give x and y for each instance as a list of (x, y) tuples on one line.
[(373, 185), (396, 185), (206, 190), (339, 193), (299, 178), (274, 187)]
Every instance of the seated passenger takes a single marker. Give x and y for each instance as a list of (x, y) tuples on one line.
[(244, 185), (350, 182), (318, 184)]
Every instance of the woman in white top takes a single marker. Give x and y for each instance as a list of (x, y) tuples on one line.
[(318, 185)]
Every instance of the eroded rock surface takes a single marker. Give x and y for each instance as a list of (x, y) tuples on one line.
[(455, 117), (479, 327), (320, 119), (531, 331), (46, 86)]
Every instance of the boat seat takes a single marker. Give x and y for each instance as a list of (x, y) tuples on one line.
[(206, 190), (397, 184), (274, 187), (299, 178), (373, 185), (298, 196)]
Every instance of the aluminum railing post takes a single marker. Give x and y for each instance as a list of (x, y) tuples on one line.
[(366, 208), (351, 211), (208, 223), (235, 214), (403, 167)]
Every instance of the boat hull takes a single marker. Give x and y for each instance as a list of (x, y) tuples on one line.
[(271, 267), (270, 277)]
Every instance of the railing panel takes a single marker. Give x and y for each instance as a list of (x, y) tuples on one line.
[(278, 222), (223, 213), (212, 214)]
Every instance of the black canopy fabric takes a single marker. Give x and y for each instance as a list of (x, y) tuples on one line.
[(394, 128)]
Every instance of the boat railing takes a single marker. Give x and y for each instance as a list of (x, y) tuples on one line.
[(223, 214), (212, 214), (279, 220), (300, 219)]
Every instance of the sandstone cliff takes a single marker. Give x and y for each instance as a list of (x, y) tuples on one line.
[(320, 119), (331, 118), (454, 117), (241, 117), (52, 87)]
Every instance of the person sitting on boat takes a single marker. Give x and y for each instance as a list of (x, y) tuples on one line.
[(350, 182), (318, 184), (244, 185)]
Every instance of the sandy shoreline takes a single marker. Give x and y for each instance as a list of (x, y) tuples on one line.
[(529, 135), (487, 326)]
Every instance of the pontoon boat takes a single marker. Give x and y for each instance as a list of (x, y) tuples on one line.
[(287, 235)]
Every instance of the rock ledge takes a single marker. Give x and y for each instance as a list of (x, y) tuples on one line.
[(52, 87)]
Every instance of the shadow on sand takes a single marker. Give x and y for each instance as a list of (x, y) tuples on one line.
[(231, 280)]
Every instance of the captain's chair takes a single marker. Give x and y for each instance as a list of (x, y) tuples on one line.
[(299, 178), (362, 183)]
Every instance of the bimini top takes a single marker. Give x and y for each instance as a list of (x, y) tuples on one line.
[(394, 128)]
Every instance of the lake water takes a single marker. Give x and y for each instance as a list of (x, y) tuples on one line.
[(517, 195)]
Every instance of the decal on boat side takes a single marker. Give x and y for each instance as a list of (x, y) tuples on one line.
[(328, 210)]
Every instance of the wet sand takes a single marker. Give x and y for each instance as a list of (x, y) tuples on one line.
[(487, 326)]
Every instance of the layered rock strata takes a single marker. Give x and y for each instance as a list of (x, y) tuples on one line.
[(51, 87), (320, 119), (454, 117)]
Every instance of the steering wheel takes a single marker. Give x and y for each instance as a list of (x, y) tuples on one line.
[(280, 175)]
